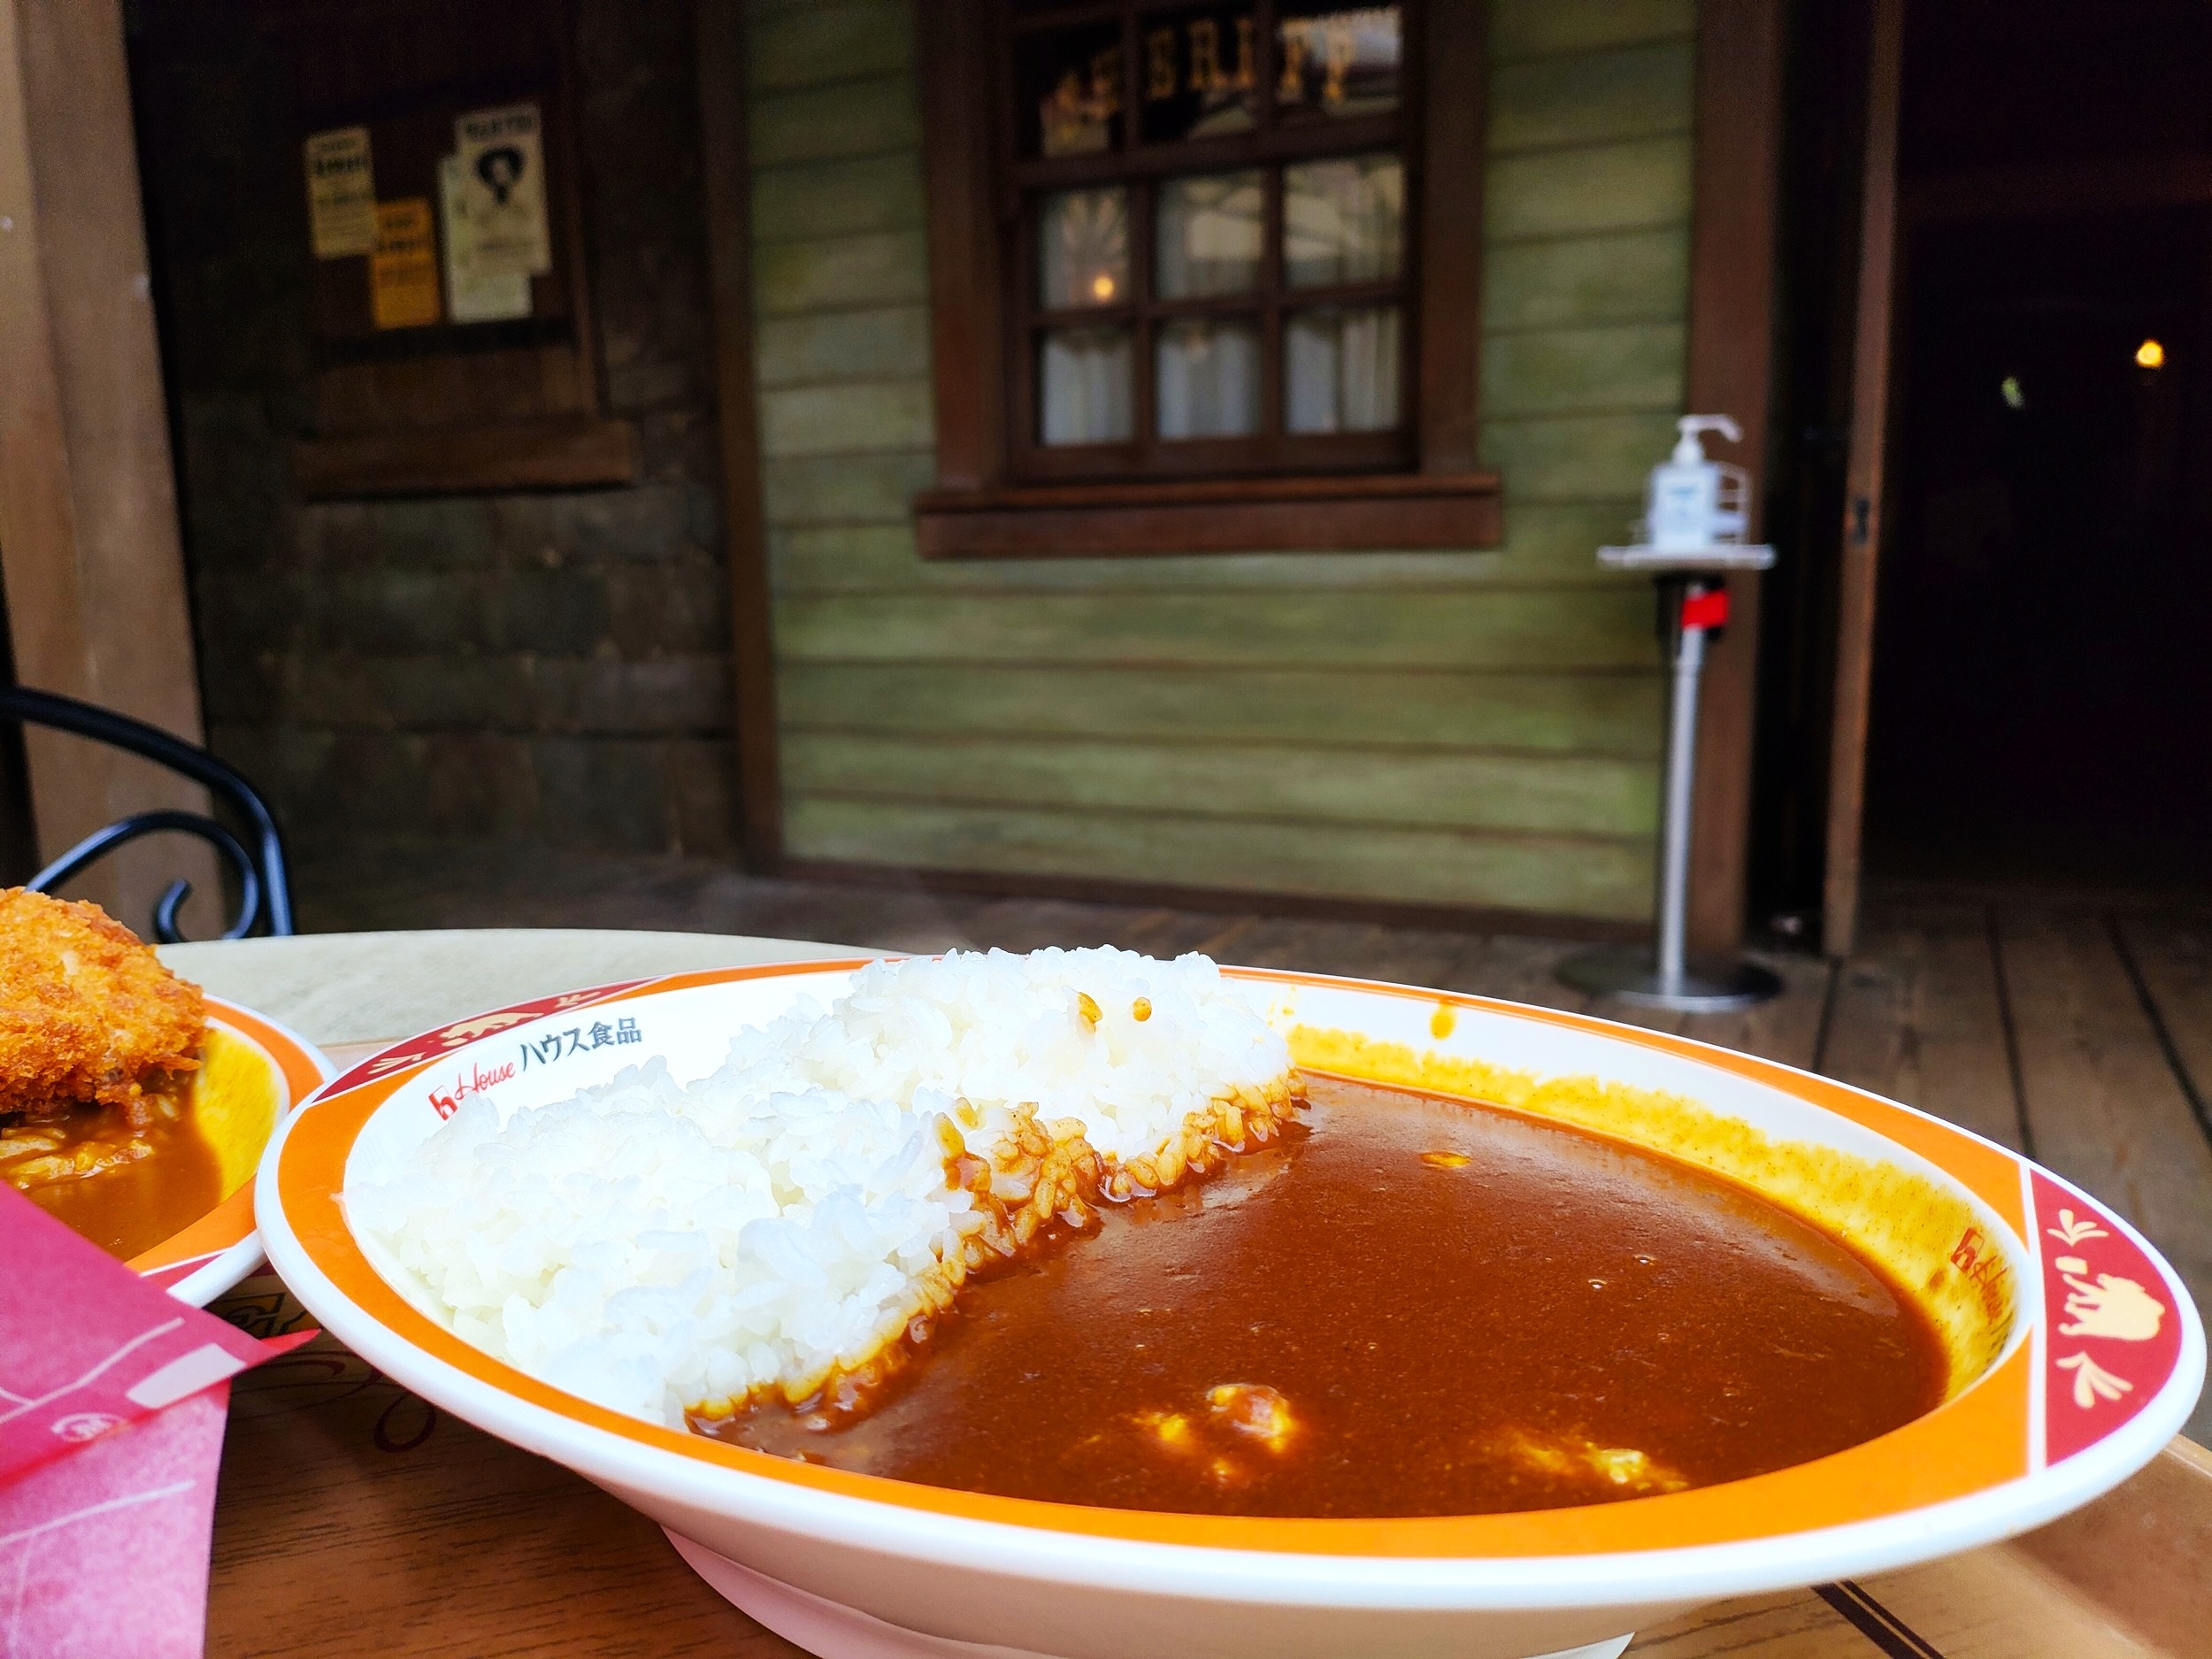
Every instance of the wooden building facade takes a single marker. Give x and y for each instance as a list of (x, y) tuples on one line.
[(738, 534), (1475, 727)]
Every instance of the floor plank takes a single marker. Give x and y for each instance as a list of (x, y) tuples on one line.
[(1918, 1017), (1358, 950), (2172, 958), (2104, 1107), (1516, 968), (1787, 1029)]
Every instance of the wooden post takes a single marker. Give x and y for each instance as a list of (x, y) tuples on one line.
[(1862, 484), (1731, 320), (89, 540), (727, 187)]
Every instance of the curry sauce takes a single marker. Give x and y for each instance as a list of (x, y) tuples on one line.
[(1407, 1305), (125, 1179)]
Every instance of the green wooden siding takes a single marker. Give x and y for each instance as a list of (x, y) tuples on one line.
[(1476, 728)]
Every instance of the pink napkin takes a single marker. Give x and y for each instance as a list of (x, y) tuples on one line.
[(112, 1398)]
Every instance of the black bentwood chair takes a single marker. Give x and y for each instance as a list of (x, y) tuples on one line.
[(264, 893)]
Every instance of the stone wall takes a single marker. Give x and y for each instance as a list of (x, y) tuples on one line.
[(533, 668)]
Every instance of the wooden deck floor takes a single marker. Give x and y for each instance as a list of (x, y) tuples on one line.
[(2078, 1029)]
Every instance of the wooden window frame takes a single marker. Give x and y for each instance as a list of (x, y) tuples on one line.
[(999, 495)]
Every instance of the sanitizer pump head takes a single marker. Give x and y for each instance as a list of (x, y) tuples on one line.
[(1689, 449)]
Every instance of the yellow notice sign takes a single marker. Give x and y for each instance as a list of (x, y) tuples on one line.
[(341, 193), (403, 270)]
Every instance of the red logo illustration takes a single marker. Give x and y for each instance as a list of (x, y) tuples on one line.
[(446, 1101), (2112, 1336)]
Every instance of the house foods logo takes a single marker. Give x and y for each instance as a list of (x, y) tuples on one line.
[(539, 1051), (446, 1102)]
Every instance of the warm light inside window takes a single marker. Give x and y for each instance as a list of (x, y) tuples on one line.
[(1102, 290), (2150, 355)]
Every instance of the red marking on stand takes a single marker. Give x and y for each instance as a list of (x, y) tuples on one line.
[(1706, 610)]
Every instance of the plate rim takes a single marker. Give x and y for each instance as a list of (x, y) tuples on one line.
[(217, 1250)]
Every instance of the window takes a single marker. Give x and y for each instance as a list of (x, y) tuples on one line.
[(1216, 286), (1203, 274)]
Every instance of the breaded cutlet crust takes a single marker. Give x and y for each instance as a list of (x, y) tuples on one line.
[(87, 1013)]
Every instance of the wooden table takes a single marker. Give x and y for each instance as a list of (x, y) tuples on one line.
[(355, 1518)]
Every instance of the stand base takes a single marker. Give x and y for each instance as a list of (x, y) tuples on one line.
[(844, 1632), (1633, 976)]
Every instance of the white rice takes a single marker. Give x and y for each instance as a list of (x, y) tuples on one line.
[(656, 1247)]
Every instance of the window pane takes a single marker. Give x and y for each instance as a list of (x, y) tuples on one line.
[(1083, 248), (1209, 234), (1196, 73), (1083, 394), (1336, 59), (1208, 372), (1340, 369), (1343, 221), (1067, 90)]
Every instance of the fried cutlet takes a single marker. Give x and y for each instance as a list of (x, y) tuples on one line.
[(88, 1014)]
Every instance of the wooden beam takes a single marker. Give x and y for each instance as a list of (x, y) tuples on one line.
[(1462, 918), (1731, 325), (727, 187), (557, 452), (953, 50), (1862, 484), (89, 537), (2103, 184), (1447, 333), (1383, 511)]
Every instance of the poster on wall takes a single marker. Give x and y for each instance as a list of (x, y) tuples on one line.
[(472, 294), (404, 267), (341, 193), (501, 183)]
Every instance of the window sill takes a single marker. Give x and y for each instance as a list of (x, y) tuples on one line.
[(1384, 512), (556, 452)]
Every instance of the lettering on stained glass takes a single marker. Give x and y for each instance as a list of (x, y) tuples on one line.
[(1199, 72)]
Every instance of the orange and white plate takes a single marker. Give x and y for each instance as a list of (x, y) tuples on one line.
[(2077, 1354), (253, 1072)]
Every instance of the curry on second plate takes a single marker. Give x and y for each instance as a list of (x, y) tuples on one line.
[(1075, 1226), (123, 1111)]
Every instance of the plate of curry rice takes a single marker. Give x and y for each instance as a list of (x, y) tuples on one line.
[(133, 1106), (1088, 1305)]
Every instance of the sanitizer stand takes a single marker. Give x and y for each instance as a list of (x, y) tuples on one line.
[(1694, 602)]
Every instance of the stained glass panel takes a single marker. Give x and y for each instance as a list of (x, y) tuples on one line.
[(1208, 373), (1083, 394), (1343, 221), (1083, 248), (1337, 60), (1211, 234)]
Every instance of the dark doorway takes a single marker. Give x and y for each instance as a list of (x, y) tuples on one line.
[(2041, 705), (2041, 681)]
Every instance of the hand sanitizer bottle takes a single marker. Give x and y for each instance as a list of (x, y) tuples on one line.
[(1694, 503)]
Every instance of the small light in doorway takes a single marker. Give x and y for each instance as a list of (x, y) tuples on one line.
[(1102, 288), (2150, 355), (2010, 390)]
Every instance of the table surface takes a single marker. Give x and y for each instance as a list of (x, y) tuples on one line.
[(354, 1517)]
